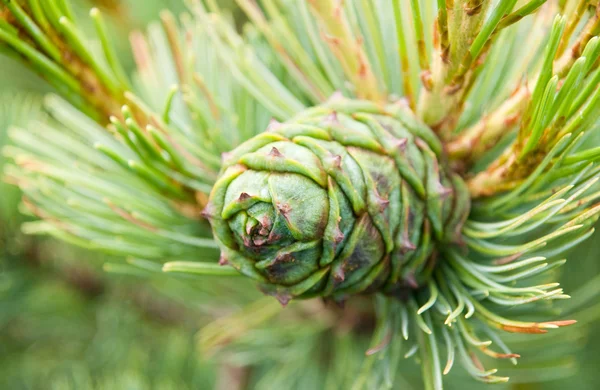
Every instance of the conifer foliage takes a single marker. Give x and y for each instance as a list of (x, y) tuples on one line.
[(426, 165)]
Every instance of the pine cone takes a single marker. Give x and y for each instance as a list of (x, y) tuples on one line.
[(334, 203)]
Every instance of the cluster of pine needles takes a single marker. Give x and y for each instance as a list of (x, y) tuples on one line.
[(122, 163)]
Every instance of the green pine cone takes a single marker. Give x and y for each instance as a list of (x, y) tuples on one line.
[(347, 197)]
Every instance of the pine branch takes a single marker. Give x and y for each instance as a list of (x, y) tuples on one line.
[(48, 40), (455, 58), (347, 196), (571, 112)]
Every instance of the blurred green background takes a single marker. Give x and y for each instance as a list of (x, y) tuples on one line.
[(67, 324)]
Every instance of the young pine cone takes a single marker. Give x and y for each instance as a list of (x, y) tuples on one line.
[(345, 198)]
